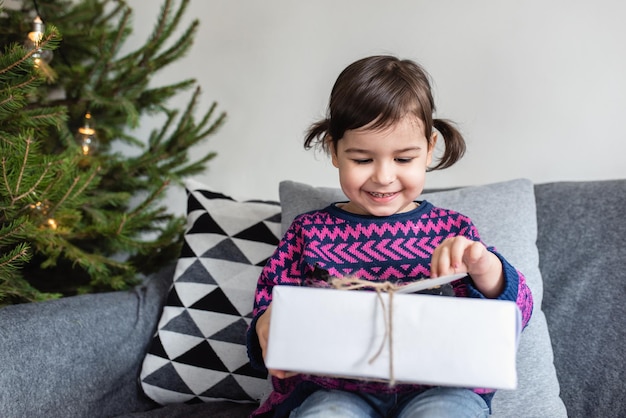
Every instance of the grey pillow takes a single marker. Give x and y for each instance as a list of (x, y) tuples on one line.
[(505, 216)]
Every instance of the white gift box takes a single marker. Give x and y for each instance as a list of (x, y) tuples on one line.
[(435, 340)]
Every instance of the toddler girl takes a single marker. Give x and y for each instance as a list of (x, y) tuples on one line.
[(381, 136)]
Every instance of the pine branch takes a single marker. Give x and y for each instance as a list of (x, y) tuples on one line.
[(179, 49), (102, 205), (142, 207), (11, 260)]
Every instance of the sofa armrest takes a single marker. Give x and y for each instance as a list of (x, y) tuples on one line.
[(582, 252), (78, 356)]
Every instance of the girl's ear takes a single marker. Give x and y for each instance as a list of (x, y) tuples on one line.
[(432, 143)]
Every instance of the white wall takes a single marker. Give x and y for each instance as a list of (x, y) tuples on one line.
[(538, 87)]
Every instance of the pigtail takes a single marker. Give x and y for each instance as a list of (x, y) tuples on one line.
[(317, 135), (454, 144)]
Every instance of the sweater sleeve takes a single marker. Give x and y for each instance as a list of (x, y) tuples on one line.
[(515, 287), (282, 268)]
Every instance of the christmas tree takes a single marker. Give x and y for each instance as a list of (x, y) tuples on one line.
[(76, 216)]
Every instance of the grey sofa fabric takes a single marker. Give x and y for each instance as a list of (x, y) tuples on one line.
[(81, 356), (78, 356), (581, 241)]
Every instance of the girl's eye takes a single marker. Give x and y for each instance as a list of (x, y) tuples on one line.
[(363, 161), (404, 160)]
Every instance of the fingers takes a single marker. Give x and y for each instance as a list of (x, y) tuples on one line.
[(474, 254), (281, 374), (455, 255), (263, 329), (448, 258)]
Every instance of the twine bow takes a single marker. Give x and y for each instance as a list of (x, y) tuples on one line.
[(350, 283)]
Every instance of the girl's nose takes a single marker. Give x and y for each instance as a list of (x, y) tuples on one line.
[(384, 174)]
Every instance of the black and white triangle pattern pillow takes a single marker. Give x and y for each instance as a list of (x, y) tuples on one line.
[(198, 353)]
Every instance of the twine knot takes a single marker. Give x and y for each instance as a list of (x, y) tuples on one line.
[(350, 283)]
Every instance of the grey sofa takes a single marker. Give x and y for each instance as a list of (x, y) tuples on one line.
[(81, 356)]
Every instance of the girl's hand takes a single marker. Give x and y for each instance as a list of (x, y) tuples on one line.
[(263, 331), (462, 255)]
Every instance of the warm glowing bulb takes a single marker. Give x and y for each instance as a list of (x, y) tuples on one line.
[(33, 41), (40, 207), (41, 210), (86, 136)]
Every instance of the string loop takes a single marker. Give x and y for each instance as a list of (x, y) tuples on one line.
[(350, 283)]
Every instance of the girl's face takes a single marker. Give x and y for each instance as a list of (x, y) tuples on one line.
[(382, 171)]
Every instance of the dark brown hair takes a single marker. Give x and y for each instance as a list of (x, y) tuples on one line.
[(383, 89)]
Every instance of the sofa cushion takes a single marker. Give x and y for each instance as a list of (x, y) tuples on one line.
[(199, 350), (504, 214), (78, 356), (581, 239)]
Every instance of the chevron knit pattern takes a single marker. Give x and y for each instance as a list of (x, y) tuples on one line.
[(396, 249), (198, 353)]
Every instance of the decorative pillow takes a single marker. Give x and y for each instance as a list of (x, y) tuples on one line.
[(199, 350), (505, 216)]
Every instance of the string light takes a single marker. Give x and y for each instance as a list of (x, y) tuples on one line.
[(41, 210), (86, 136), (40, 207), (52, 224), (33, 42)]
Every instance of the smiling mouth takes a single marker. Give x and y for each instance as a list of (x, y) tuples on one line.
[(381, 195)]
